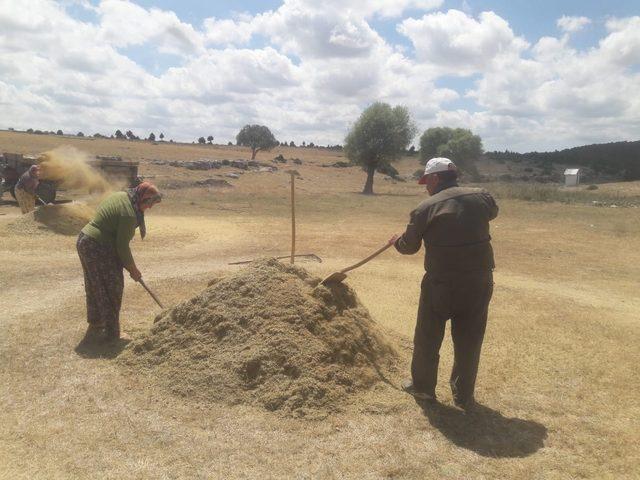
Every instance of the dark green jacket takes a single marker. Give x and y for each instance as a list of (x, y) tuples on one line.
[(114, 224), (453, 224)]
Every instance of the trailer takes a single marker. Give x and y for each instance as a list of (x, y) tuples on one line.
[(13, 165)]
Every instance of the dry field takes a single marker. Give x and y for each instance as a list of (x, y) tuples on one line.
[(558, 382)]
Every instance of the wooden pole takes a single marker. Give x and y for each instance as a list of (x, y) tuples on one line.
[(293, 217)]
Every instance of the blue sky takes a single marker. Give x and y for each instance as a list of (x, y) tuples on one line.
[(529, 76)]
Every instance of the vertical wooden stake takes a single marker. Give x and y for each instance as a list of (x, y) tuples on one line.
[(293, 217)]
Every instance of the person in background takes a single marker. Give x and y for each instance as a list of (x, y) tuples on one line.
[(453, 224), (25, 189), (103, 248)]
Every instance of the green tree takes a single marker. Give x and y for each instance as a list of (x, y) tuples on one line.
[(161, 136), (379, 136), (458, 144), (202, 140), (210, 139), (256, 137), (152, 137)]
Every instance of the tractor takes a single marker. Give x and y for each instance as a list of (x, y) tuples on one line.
[(13, 165)]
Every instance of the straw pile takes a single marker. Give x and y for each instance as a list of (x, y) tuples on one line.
[(268, 336), (64, 219)]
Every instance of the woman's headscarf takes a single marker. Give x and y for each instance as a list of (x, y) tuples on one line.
[(136, 194)]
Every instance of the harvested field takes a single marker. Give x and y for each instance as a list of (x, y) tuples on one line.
[(557, 380), (270, 336)]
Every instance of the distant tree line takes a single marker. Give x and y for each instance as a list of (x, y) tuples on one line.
[(615, 158)]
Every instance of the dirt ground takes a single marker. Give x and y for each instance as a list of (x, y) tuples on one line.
[(557, 386)]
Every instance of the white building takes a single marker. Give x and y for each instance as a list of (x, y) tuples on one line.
[(571, 177)]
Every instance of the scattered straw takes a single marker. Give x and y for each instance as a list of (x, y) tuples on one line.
[(65, 219), (71, 168)]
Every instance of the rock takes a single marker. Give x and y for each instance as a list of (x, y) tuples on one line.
[(212, 182), (240, 164), (233, 175)]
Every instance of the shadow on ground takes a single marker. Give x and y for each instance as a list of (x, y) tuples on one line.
[(92, 349), (485, 431)]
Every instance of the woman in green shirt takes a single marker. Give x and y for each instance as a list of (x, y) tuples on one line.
[(103, 248)]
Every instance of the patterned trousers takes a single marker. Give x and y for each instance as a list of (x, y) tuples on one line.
[(103, 283)]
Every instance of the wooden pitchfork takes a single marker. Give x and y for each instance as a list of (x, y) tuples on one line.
[(339, 276)]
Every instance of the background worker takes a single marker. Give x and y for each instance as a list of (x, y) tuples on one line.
[(26, 187), (453, 224), (103, 248)]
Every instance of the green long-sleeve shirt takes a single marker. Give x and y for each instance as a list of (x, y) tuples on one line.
[(114, 224)]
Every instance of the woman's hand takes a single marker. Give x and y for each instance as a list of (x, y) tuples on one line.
[(393, 239)]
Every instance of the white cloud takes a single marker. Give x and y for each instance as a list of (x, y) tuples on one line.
[(227, 31), (123, 23), (460, 44), (319, 65), (622, 45), (572, 24)]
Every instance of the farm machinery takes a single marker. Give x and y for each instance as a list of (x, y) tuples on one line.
[(13, 165)]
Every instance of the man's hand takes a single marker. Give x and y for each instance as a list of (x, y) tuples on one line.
[(393, 239), (135, 274)]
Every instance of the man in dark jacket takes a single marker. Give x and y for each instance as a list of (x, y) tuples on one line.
[(453, 224)]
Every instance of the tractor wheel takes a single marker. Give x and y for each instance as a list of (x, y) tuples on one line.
[(46, 191)]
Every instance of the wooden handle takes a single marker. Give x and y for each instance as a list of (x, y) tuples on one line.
[(370, 257), (150, 293), (293, 217)]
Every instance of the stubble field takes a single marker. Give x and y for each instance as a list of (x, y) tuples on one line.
[(557, 383)]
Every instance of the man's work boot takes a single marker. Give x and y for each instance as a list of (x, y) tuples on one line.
[(408, 387), (467, 405), (94, 334)]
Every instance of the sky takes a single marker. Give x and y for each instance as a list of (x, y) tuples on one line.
[(523, 75)]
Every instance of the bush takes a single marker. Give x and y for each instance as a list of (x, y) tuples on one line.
[(592, 187)]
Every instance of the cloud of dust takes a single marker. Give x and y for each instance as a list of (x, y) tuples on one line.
[(71, 168)]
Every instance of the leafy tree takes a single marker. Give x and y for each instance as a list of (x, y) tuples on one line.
[(459, 145), (379, 136), (130, 135), (120, 135), (202, 140), (59, 132), (230, 143), (304, 144), (256, 137), (80, 134), (292, 143), (210, 139), (161, 136), (29, 130), (152, 137)]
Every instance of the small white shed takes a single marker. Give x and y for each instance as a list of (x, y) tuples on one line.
[(571, 177)]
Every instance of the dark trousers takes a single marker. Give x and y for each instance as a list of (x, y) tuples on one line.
[(463, 298)]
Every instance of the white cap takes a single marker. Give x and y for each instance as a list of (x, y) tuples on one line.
[(435, 165)]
